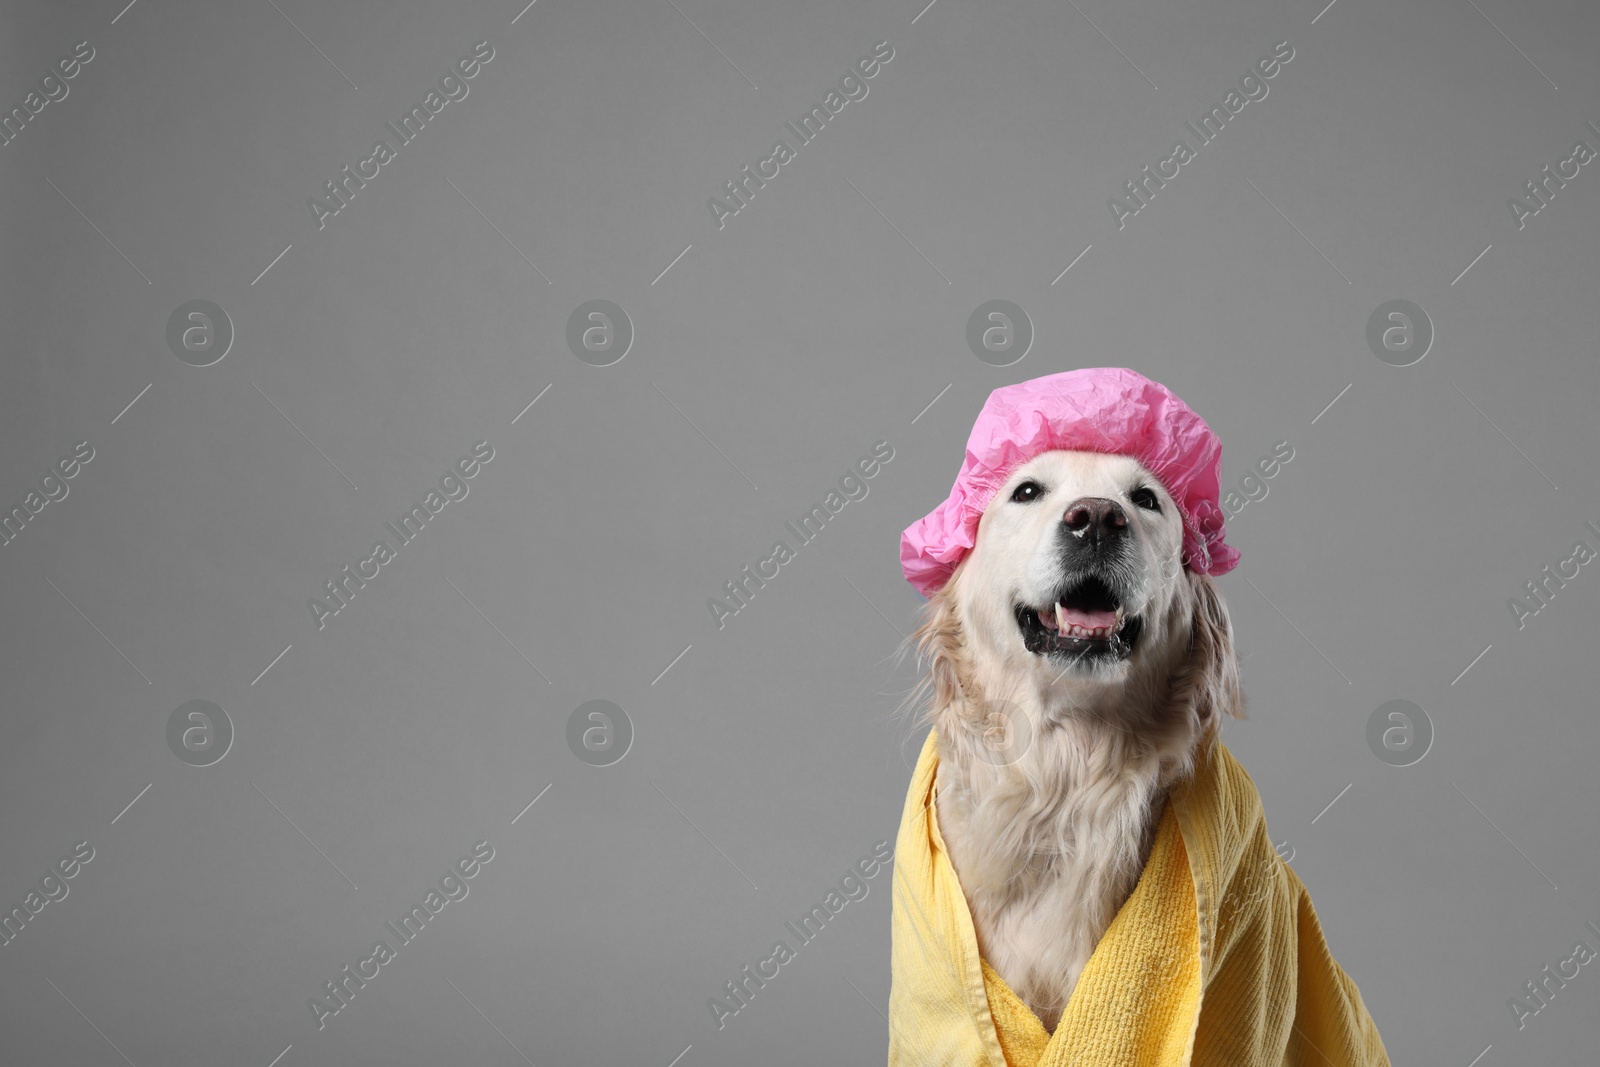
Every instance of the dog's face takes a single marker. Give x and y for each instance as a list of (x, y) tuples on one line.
[(1076, 571)]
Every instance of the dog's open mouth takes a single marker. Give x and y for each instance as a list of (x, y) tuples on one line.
[(1086, 620)]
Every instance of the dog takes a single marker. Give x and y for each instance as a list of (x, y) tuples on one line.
[(1076, 668)]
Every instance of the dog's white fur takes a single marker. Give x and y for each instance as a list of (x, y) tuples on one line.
[(1048, 844)]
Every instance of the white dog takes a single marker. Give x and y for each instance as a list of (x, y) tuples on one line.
[(1076, 669)]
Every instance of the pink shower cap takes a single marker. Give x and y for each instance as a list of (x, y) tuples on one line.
[(1095, 409)]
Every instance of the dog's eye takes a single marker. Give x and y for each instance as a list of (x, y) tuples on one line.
[(1026, 492), (1146, 498)]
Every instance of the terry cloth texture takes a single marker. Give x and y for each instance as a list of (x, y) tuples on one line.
[(1217, 958)]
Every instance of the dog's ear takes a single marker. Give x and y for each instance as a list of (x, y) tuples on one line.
[(1211, 676), (937, 641)]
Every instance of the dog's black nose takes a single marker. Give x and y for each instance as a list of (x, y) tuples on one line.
[(1094, 517)]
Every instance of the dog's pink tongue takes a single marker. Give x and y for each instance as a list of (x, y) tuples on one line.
[(1091, 620)]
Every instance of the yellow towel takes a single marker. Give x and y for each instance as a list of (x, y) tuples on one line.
[(1216, 959)]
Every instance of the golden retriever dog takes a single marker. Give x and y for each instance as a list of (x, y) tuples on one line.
[(1076, 669)]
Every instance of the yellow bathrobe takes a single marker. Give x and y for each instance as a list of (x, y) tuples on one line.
[(1216, 959)]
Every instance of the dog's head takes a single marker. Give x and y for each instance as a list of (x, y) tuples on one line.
[(1075, 601)]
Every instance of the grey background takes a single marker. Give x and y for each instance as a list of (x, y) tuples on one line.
[(827, 315)]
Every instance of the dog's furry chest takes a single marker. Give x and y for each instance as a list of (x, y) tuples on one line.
[(1045, 870)]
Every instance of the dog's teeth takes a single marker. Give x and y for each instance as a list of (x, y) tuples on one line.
[(1117, 626), (1086, 633), (1061, 618)]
